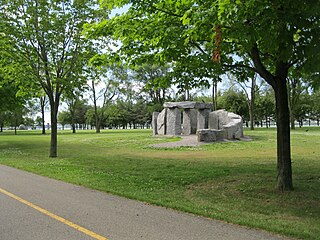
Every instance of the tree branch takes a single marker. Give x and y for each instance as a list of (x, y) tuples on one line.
[(260, 69), (238, 65), (166, 11), (199, 47)]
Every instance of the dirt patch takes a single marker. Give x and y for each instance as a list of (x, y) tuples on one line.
[(190, 141), (186, 141)]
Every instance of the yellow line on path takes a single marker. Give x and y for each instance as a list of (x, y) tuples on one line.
[(56, 217)]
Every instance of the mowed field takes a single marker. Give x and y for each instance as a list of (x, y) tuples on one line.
[(230, 181)]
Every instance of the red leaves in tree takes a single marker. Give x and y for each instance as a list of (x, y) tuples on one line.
[(216, 53)]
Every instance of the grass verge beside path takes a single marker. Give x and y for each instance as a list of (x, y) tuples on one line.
[(233, 181)]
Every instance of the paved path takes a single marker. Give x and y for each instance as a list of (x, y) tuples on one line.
[(34, 207)]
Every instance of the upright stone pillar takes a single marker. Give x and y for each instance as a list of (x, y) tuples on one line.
[(161, 122), (189, 125), (154, 123), (213, 121), (203, 117), (173, 122)]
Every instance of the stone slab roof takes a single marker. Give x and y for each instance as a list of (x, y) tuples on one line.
[(187, 105)]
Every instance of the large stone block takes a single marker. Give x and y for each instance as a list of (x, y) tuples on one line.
[(189, 125), (229, 130), (233, 126), (223, 118), (161, 122), (239, 132), (154, 123), (173, 122), (203, 118), (210, 135), (187, 105), (213, 120)]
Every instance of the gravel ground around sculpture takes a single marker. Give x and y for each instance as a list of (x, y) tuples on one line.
[(186, 141), (191, 141)]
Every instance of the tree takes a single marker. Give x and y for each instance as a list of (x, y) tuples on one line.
[(303, 110), (12, 105), (48, 37), (153, 33), (154, 81), (235, 101), (64, 118), (249, 87), (274, 35), (265, 106), (297, 86), (105, 85), (315, 112), (43, 103)]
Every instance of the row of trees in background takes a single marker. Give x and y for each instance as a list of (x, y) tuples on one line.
[(117, 110), (138, 113)]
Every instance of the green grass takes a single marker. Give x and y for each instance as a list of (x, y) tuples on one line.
[(233, 181)]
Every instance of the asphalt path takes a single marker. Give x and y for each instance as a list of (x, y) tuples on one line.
[(33, 207)]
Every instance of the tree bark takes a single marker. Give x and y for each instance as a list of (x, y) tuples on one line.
[(43, 123), (42, 105), (54, 104), (73, 124), (292, 121), (252, 102), (279, 85), (284, 177), (73, 128), (214, 95), (95, 107)]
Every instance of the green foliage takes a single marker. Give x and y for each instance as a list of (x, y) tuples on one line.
[(161, 32), (155, 81), (46, 37), (234, 101), (38, 121), (265, 105), (64, 118)]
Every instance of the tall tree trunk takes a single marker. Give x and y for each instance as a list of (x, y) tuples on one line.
[(54, 104), (43, 124), (73, 124), (252, 101), (187, 95), (292, 122), (284, 177), (279, 85), (54, 136), (97, 120), (251, 115), (292, 96), (43, 104), (215, 95), (98, 127), (73, 128)]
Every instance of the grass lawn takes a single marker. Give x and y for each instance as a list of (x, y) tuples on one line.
[(234, 181)]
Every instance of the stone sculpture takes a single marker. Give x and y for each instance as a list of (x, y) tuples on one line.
[(197, 118)]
